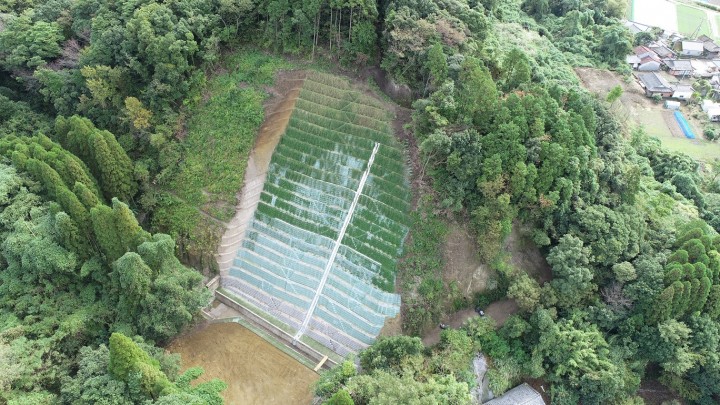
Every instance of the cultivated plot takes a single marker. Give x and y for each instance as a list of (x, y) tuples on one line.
[(676, 17), (321, 251)]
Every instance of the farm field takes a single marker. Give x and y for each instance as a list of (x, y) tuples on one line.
[(321, 250), (676, 17), (636, 109), (689, 18), (255, 371)]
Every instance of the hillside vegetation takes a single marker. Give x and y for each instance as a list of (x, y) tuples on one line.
[(124, 129)]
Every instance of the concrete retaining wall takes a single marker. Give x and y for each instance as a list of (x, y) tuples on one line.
[(287, 339)]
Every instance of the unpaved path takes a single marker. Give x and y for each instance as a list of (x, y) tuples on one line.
[(498, 310), (277, 114)]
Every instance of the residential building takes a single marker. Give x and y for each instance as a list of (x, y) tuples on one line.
[(711, 49), (662, 51), (654, 84), (649, 60), (679, 67), (633, 61), (683, 92), (691, 48), (523, 394)]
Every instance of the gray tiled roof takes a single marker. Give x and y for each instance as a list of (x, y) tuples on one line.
[(653, 82), (520, 395)]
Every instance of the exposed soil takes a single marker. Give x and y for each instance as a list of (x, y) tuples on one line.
[(633, 99), (256, 372), (392, 326), (525, 255), (278, 109), (462, 263), (635, 108), (655, 393), (464, 266)]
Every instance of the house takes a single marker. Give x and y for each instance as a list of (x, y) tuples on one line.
[(521, 395), (711, 49), (672, 105), (649, 60), (655, 84), (714, 114), (708, 104), (683, 92), (691, 48), (679, 67), (662, 51), (645, 52), (703, 68), (633, 61), (636, 27), (648, 64)]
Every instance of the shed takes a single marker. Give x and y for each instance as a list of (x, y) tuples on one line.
[(672, 105), (683, 92), (655, 84), (692, 48), (714, 114), (521, 395), (679, 67)]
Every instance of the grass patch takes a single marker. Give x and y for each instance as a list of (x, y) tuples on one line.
[(221, 131), (689, 18), (424, 294), (698, 148)]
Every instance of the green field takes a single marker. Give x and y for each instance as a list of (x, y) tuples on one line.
[(698, 148), (689, 18)]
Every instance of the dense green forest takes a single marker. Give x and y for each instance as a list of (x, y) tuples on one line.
[(109, 197)]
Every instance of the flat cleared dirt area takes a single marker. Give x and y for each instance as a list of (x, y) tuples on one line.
[(256, 372), (462, 263), (634, 108), (464, 266), (500, 311)]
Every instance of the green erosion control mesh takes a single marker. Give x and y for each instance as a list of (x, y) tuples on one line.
[(327, 159)]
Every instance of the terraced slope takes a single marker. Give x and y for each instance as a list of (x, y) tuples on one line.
[(312, 259)]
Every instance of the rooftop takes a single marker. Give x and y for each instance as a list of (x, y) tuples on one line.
[(692, 46), (636, 27), (682, 64), (654, 82), (662, 50), (709, 44), (521, 395)]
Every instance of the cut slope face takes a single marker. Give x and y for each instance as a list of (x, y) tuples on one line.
[(319, 255)]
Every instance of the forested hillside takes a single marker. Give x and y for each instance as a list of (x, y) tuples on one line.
[(101, 114)]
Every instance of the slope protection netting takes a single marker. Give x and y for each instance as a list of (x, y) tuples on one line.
[(314, 175)]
